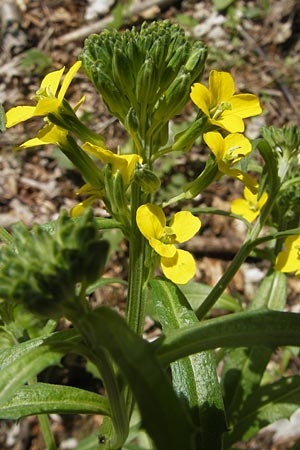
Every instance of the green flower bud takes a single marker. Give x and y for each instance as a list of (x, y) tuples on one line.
[(183, 141), (174, 99), (147, 83), (147, 179), (195, 64), (43, 270)]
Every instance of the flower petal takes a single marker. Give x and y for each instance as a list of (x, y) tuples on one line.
[(67, 80), (237, 145), (215, 142), (185, 225), (46, 105), (240, 207), (167, 250), (151, 221), (229, 122), (51, 82), (19, 114), (200, 95), (179, 269), (245, 105), (221, 87)]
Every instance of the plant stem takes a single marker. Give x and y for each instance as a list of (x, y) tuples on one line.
[(46, 432), (135, 310), (86, 327), (238, 260)]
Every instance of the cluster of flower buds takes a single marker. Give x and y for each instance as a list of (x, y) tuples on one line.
[(144, 77), (43, 269)]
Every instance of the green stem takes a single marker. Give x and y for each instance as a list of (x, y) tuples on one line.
[(238, 260), (99, 356), (135, 310), (46, 432)]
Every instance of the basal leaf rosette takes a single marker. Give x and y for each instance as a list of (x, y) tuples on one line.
[(177, 265)]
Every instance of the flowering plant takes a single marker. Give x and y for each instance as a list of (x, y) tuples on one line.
[(145, 78)]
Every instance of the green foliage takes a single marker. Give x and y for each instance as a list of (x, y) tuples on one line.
[(35, 61), (42, 270)]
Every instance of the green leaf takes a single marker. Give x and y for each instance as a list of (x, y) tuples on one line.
[(196, 293), (271, 328), (43, 398), (244, 368), (220, 5), (162, 413), (267, 404), (24, 361), (88, 443), (194, 377)]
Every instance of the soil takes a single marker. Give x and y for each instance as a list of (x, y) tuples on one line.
[(257, 41)]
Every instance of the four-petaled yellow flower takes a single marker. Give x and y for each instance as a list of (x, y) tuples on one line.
[(177, 265), (289, 259), (124, 163), (47, 101), (249, 207), (228, 151), (221, 106)]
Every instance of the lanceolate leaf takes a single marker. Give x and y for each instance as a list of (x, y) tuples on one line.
[(23, 361), (267, 404), (41, 398), (244, 367), (162, 413), (194, 377), (271, 328)]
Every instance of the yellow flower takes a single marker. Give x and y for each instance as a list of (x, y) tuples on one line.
[(47, 100), (249, 207), (221, 106), (177, 265), (124, 163), (289, 259), (92, 193), (228, 151)]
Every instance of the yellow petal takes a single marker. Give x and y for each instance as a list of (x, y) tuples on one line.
[(46, 105), (241, 208), (67, 80), (19, 114), (245, 105), (237, 145), (246, 179), (151, 221), (229, 122), (215, 142), (185, 225), (167, 250), (51, 82), (201, 97), (221, 87), (179, 269)]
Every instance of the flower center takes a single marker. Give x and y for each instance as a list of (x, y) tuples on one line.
[(231, 156), (168, 237), (217, 111)]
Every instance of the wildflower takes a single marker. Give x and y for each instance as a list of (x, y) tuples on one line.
[(221, 106), (92, 195), (289, 259), (47, 101), (177, 265), (124, 163), (249, 207), (228, 151)]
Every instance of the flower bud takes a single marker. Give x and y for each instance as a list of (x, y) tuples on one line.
[(147, 179)]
